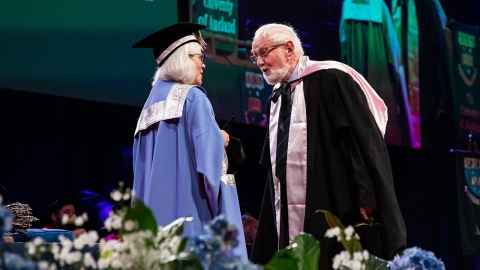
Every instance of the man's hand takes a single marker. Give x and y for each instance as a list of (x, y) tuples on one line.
[(226, 138)]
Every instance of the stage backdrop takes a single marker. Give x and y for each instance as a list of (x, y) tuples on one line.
[(465, 71), (83, 49), (80, 48)]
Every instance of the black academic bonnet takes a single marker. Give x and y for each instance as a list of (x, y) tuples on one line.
[(165, 41)]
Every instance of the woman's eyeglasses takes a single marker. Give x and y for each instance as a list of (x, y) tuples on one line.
[(202, 56)]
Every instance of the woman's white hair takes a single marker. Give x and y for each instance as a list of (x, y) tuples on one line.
[(278, 34), (179, 67)]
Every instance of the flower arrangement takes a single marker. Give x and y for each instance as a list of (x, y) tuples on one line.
[(355, 258), (136, 242)]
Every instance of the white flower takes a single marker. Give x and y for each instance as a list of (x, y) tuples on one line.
[(356, 265), (116, 264), (43, 265), (103, 263), (130, 225), (365, 254), (65, 219), (126, 196), (55, 249), (79, 221), (332, 232), (349, 233), (116, 195), (89, 261), (68, 257), (345, 260), (340, 259), (113, 222), (31, 249), (85, 216), (66, 248), (37, 241), (65, 242), (81, 241), (358, 256), (92, 237)]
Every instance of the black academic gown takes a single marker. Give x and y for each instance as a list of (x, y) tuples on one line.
[(348, 167)]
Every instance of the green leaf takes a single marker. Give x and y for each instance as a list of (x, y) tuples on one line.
[(302, 254), (332, 220), (356, 245), (283, 259), (376, 263), (306, 250), (185, 263), (143, 216)]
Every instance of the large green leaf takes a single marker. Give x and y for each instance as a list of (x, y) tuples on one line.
[(143, 216), (302, 254), (283, 259), (307, 251)]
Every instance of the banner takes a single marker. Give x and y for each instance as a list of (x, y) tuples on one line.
[(469, 203), (219, 16), (465, 70)]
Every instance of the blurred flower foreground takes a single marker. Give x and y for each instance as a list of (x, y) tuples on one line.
[(136, 242)]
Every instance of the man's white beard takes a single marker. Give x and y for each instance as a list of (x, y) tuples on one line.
[(276, 76)]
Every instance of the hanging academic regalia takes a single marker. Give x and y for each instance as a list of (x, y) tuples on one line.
[(369, 44)]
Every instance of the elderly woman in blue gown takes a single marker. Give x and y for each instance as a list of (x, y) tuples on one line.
[(178, 154)]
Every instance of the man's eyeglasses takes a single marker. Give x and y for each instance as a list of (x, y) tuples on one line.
[(263, 52)]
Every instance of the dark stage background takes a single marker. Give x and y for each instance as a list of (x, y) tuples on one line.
[(53, 146), (59, 146)]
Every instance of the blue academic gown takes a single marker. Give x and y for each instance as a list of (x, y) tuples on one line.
[(177, 157)]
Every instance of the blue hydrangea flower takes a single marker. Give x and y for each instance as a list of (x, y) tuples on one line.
[(227, 233), (6, 220), (15, 262), (416, 259), (214, 248)]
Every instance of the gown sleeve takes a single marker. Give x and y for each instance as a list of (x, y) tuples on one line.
[(207, 144)]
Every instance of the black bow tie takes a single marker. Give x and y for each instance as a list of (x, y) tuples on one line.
[(283, 90)]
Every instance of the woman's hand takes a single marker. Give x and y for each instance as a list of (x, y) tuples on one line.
[(226, 138)]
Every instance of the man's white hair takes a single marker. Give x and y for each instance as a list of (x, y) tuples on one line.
[(179, 66), (278, 34)]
